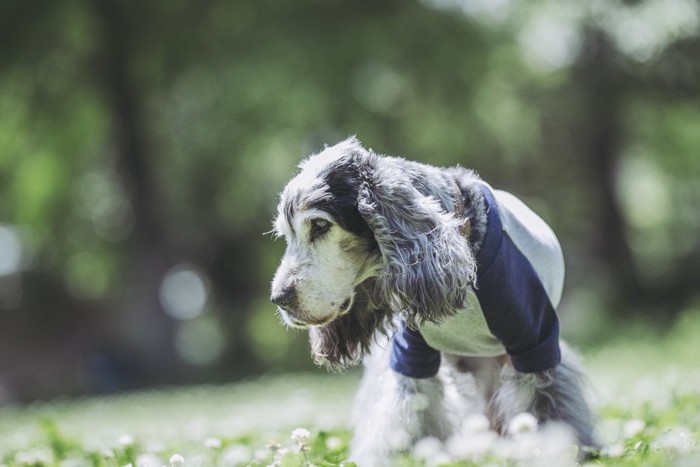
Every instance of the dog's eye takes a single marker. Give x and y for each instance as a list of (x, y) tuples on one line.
[(319, 227)]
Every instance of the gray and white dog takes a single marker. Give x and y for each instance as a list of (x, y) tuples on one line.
[(445, 287)]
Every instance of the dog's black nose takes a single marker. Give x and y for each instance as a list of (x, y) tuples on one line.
[(285, 298)]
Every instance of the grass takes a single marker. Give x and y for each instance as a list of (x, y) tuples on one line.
[(646, 389), (207, 425)]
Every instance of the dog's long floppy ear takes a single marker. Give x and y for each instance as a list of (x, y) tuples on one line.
[(428, 265)]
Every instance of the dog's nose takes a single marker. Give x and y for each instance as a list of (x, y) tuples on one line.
[(285, 298)]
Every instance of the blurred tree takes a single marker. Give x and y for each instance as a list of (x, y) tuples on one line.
[(142, 147)]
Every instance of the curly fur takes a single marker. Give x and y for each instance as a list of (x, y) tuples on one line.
[(398, 231), (428, 265)]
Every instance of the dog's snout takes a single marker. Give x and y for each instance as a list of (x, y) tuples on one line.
[(285, 298)]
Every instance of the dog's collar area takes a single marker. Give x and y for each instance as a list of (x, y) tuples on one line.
[(460, 213), (494, 230)]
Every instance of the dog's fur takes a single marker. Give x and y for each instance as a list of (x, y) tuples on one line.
[(371, 239)]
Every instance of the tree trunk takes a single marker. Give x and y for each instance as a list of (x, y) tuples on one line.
[(599, 78), (148, 329)]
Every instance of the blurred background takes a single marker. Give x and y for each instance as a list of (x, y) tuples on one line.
[(143, 146)]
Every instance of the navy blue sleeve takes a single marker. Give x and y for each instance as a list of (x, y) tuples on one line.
[(411, 356), (514, 302)]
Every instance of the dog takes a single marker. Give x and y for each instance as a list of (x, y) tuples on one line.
[(433, 278)]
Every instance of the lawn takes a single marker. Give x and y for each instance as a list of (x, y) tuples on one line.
[(646, 390)]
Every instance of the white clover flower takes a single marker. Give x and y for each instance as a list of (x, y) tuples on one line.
[(557, 445), (279, 455), (522, 423), (427, 448), (236, 455), (212, 443), (259, 455), (398, 440), (675, 439), (476, 423), (300, 437), (431, 451), (148, 460), (472, 446), (176, 460), (333, 443), (274, 446), (125, 440), (521, 447), (633, 427), (34, 457), (615, 450)]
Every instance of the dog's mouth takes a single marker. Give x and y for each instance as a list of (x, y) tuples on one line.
[(346, 306), (293, 320), (297, 323)]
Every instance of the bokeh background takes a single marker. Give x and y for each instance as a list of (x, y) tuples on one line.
[(143, 146)]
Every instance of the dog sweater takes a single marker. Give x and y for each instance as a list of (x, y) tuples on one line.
[(520, 275)]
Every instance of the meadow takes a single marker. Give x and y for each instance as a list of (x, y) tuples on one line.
[(645, 386)]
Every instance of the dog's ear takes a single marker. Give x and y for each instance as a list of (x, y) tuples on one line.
[(344, 341), (428, 265)]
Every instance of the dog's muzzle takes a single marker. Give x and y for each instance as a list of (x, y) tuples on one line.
[(285, 298), (288, 304)]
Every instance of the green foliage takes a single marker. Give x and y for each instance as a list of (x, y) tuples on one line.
[(138, 136), (60, 445)]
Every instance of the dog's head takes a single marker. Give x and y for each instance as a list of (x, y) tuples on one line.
[(367, 236)]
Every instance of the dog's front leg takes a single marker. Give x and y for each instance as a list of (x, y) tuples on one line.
[(556, 395), (393, 411)]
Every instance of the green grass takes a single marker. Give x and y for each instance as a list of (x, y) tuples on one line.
[(207, 425), (646, 390)]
